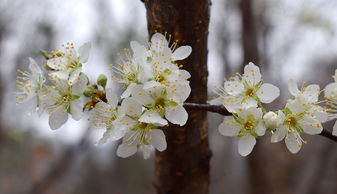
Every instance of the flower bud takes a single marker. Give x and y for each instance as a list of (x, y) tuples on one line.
[(271, 120), (101, 80)]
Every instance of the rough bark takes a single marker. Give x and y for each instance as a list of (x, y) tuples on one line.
[(184, 166)]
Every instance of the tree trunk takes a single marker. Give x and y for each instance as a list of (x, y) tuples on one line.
[(184, 166), (249, 34)]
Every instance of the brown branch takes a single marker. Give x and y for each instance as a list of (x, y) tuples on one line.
[(223, 111)]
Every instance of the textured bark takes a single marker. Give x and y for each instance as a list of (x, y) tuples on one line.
[(249, 34), (184, 166)]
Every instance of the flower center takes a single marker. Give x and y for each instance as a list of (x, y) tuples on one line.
[(250, 92), (249, 125), (291, 121), (160, 103), (161, 79)]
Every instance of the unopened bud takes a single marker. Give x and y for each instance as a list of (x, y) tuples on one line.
[(45, 54), (101, 80), (90, 91), (271, 120)]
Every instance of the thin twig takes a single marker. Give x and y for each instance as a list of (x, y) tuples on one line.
[(223, 111)]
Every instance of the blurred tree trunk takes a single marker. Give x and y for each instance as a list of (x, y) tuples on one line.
[(184, 166), (249, 33)]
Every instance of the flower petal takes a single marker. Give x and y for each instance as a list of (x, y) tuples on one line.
[(80, 85), (177, 115), (311, 92), (84, 51), (111, 135), (181, 53), (334, 129), (268, 93), (158, 140), (246, 144), (74, 76), (76, 109), (292, 144), (152, 116), (130, 107), (34, 68), (58, 117), (292, 87), (111, 97), (229, 127), (331, 90), (310, 125), (279, 134), (252, 74), (125, 151), (260, 129)]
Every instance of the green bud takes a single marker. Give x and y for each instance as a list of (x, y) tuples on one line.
[(45, 54), (90, 91), (101, 80)]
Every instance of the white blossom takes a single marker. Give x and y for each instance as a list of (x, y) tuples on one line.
[(249, 91), (301, 115), (159, 102), (145, 136), (63, 99), (247, 125), (31, 86), (67, 62), (331, 101)]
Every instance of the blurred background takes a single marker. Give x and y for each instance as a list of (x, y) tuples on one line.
[(288, 39)]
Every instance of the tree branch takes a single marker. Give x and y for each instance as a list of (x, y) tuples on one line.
[(223, 111)]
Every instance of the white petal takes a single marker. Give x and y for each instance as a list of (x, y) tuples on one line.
[(128, 91), (260, 129), (158, 140), (59, 74), (234, 88), (76, 109), (130, 107), (292, 87), (125, 151), (279, 134), (139, 51), (334, 129), (181, 53), (111, 135), (217, 101), (310, 125), (84, 51), (229, 127), (58, 117), (74, 76), (152, 116), (248, 103), (246, 144), (57, 63), (252, 74), (292, 143), (158, 41), (331, 90), (268, 93), (111, 97), (311, 92), (177, 115), (80, 85), (34, 68), (151, 84), (147, 150)]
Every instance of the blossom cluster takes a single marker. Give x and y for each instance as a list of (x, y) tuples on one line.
[(244, 96), (155, 89)]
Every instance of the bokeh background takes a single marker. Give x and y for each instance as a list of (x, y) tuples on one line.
[(293, 40)]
